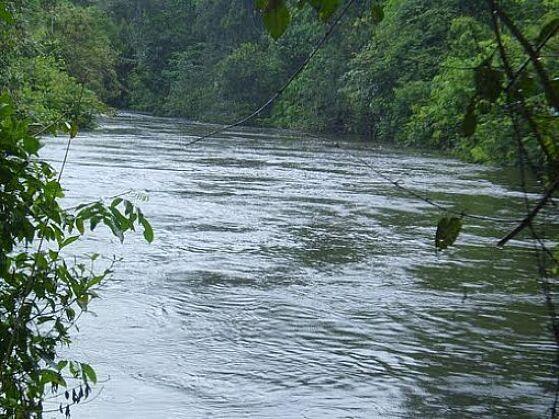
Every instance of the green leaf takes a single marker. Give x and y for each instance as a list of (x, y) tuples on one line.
[(377, 13), (94, 222), (95, 281), (469, 123), (276, 18), (69, 241), (31, 144), (448, 231), (549, 29), (326, 8), (70, 313), (88, 373), (53, 190), (148, 231), (83, 301), (79, 225), (49, 376), (73, 370), (74, 129), (61, 365)]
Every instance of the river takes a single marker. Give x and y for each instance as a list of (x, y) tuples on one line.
[(288, 281)]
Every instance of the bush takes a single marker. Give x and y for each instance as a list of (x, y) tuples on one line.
[(42, 294)]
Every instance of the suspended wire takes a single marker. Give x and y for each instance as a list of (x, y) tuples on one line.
[(386, 180), (415, 194), (279, 92), (379, 173)]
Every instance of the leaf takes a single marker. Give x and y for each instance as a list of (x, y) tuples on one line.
[(377, 13), (31, 144), (74, 129), (70, 313), (95, 281), (116, 230), (148, 231), (79, 225), (88, 373), (83, 301), (488, 82), (69, 241), (276, 18), (94, 222), (326, 8), (61, 365), (469, 123), (549, 29), (53, 189), (448, 231), (53, 377)]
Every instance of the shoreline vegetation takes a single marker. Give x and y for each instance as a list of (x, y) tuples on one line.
[(405, 77)]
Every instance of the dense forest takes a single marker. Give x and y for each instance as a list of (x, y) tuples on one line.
[(401, 74)]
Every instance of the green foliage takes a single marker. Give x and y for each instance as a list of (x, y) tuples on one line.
[(5, 15), (411, 72), (377, 13), (80, 38), (312, 101), (189, 72), (448, 230), (248, 76), (50, 51), (275, 15), (48, 94), (42, 293)]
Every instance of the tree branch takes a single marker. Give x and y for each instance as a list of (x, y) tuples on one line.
[(530, 217)]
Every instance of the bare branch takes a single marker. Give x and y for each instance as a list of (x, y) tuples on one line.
[(527, 221)]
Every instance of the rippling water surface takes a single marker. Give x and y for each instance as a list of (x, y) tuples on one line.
[(287, 280)]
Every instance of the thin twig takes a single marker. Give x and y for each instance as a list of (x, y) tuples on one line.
[(527, 221)]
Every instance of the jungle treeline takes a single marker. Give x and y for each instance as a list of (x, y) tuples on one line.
[(405, 76)]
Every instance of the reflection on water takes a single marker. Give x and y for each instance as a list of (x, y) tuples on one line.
[(287, 281)]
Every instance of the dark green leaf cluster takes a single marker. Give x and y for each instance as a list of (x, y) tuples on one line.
[(448, 230)]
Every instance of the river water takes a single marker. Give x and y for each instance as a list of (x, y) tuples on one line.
[(288, 281)]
